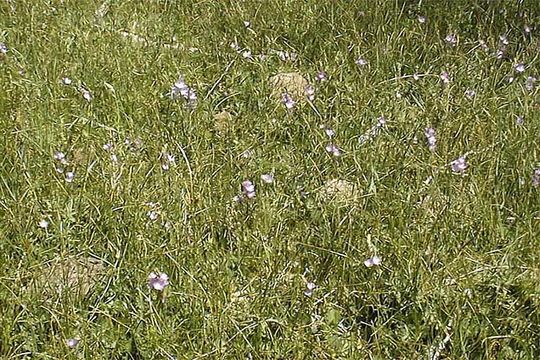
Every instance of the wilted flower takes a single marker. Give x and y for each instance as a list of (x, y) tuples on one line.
[(310, 286), (459, 165), (267, 178), (431, 138), (287, 100), (445, 78), (520, 67), (310, 92), (70, 175), (451, 39), (373, 261), (333, 149), (158, 281), (321, 76), (361, 62), (530, 82), (72, 343), (536, 177), (470, 93), (248, 188), (43, 224)]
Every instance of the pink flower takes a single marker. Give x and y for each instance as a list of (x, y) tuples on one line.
[(459, 165), (287, 100), (373, 261), (158, 281)]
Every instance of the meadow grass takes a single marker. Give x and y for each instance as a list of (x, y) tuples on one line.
[(149, 182)]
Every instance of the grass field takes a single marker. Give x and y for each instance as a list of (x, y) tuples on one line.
[(270, 179)]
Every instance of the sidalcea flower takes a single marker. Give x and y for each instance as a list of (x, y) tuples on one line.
[(310, 286), (470, 93), (530, 82), (373, 261), (327, 130), (70, 175), (152, 215), (361, 62), (445, 78), (536, 177), (60, 157), (459, 165), (421, 19), (181, 89), (310, 92), (333, 149), (43, 224), (321, 76), (167, 160), (288, 101), (431, 138), (158, 281), (72, 343), (86, 94), (267, 178), (248, 188), (520, 67), (451, 39), (3, 49), (503, 39)]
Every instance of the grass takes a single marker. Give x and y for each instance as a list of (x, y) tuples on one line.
[(459, 277)]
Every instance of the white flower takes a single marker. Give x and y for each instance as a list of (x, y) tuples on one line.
[(66, 81), (520, 67)]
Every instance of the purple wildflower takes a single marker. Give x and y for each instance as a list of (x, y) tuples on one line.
[(321, 76), (248, 188), (361, 62), (158, 281), (459, 165), (267, 178), (310, 286), (470, 93), (451, 39), (530, 83), (445, 77), (536, 177), (373, 261), (333, 149), (72, 343), (288, 101), (431, 138), (310, 92)]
